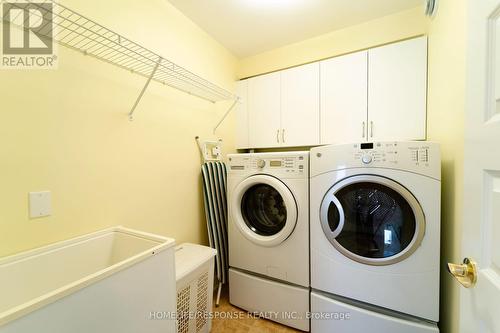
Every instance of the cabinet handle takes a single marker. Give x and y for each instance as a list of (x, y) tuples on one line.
[(364, 128), (371, 129), (283, 135), (278, 136)]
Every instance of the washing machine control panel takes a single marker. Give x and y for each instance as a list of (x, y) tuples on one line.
[(415, 156), (289, 165)]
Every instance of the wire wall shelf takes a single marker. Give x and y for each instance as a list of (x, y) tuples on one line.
[(80, 33)]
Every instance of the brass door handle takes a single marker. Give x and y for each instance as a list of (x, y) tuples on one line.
[(465, 273)]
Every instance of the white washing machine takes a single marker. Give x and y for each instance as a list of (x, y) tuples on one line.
[(268, 200), (375, 236)]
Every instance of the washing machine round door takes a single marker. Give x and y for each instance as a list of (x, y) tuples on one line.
[(264, 210), (372, 220)]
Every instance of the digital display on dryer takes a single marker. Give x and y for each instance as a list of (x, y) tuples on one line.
[(275, 163), (367, 146)]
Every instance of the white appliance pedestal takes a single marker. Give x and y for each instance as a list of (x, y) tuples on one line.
[(331, 315), (283, 303)]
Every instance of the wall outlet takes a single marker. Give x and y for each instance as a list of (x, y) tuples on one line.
[(40, 204)]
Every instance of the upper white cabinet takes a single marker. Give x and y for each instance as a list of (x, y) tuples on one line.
[(397, 91), (374, 95), (300, 106), (264, 110), (241, 109), (344, 98), (283, 108)]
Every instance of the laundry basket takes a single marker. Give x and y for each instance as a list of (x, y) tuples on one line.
[(194, 266)]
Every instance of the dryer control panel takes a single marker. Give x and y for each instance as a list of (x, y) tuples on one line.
[(382, 152), (283, 165), (415, 156)]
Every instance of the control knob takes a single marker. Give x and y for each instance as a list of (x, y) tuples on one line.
[(366, 159), (261, 163)]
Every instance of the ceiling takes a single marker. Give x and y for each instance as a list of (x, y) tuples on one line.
[(249, 27)]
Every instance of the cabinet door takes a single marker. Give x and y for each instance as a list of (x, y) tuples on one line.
[(397, 85), (300, 106), (241, 110), (344, 88), (264, 110)]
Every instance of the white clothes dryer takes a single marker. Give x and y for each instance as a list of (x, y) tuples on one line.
[(375, 230)]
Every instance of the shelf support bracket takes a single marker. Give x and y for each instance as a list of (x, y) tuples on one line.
[(131, 113), (226, 114)]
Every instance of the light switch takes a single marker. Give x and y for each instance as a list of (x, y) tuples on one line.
[(40, 204)]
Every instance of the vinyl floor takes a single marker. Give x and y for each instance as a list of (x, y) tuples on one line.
[(230, 319)]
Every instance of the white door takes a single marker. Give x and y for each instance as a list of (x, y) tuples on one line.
[(480, 305), (264, 110), (397, 91), (300, 106), (241, 110), (344, 103)]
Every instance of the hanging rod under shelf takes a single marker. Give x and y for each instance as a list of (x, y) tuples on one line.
[(80, 33)]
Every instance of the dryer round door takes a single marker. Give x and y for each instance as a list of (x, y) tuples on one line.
[(264, 210), (372, 220)]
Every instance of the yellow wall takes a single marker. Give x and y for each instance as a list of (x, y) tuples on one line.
[(446, 108), (66, 131), (384, 30)]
